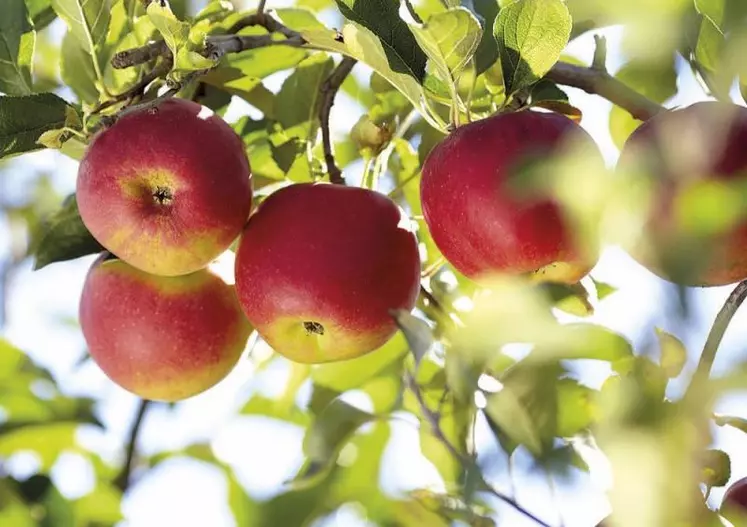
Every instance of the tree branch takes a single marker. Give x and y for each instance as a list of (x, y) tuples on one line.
[(601, 83), (329, 89), (141, 55), (122, 481), (433, 420), (138, 89)]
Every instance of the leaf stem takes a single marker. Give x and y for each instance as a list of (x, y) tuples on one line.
[(720, 325)]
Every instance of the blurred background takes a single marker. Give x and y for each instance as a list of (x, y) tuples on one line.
[(207, 460)]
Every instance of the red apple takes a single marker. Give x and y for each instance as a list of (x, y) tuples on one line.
[(166, 189), (320, 266), (481, 219), (734, 502), (161, 337), (693, 161)]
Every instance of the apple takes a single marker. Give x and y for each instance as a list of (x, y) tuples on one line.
[(734, 503), (692, 161), (319, 267), (480, 217), (166, 189), (163, 338)]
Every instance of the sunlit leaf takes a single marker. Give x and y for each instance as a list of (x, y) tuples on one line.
[(88, 20), (298, 99), (24, 119), (100, 506), (419, 335), (716, 468), (531, 34), (47, 441), (575, 407), (673, 353)]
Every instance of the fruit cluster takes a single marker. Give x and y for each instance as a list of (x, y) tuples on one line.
[(320, 267)]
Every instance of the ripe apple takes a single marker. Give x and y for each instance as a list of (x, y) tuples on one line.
[(734, 503), (166, 189), (320, 266), (161, 337), (481, 218), (692, 161)]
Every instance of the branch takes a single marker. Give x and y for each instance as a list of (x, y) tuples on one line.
[(122, 481), (720, 325), (433, 421), (138, 89), (329, 90), (601, 83), (141, 55)]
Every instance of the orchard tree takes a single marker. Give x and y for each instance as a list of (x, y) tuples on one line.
[(438, 257)]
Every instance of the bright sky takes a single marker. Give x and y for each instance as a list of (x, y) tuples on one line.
[(265, 453)]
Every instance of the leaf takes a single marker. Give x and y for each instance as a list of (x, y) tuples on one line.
[(48, 441), (88, 20), (41, 13), (297, 102), (572, 299), (100, 506), (531, 35), (64, 237), (673, 353), (454, 419), (276, 409), (176, 34), (382, 18), (575, 407), (325, 437), (77, 71), (525, 409), (24, 119), (450, 40), (17, 40), (487, 51), (716, 468), (13, 510), (353, 373), (603, 289), (419, 335)]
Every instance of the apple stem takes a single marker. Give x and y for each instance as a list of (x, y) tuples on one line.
[(122, 481), (720, 325)]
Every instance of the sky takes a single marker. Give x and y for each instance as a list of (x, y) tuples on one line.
[(264, 452)]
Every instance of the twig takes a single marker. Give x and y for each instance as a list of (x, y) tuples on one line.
[(138, 89), (720, 325), (433, 420), (141, 55), (329, 89), (122, 481), (603, 84), (599, 62), (261, 6)]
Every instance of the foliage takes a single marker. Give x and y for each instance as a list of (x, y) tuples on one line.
[(422, 67)]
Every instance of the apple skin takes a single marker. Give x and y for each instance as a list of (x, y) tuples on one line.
[(675, 151), (480, 226), (734, 502), (166, 189), (319, 267), (163, 338)]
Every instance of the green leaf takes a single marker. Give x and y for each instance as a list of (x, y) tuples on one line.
[(100, 506), (716, 468), (326, 436), (382, 18), (41, 13), (487, 51), (13, 510), (450, 40), (419, 335), (297, 102), (710, 46), (24, 119), (276, 409), (603, 289), (64, 237), (349, 374), (657, 81), (10, 359), (722, 14), (575, 407), (176, 34), (526, 408), (572, 299), (77, 70), (88, 20), (48, 441), (17, 40), (673, 353), (531, 35)]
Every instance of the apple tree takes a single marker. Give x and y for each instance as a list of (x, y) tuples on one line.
[(424, 213)]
